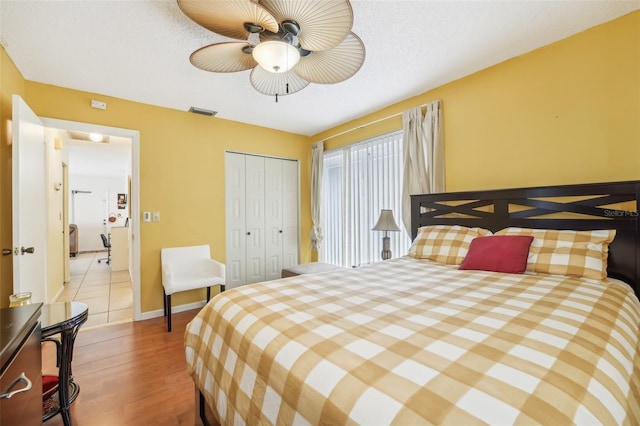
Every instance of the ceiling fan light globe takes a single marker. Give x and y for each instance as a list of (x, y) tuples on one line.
[(276, 56)]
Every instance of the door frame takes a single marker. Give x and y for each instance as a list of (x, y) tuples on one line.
[(134, 198), (66, 267)]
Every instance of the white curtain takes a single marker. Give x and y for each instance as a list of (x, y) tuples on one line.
[(423, 156), (317, 153), (432, 128), (358, 181)]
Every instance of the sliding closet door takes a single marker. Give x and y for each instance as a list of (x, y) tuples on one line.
[(255, 196), (290, 238), (235, 219), (262, 217), (273, 217)]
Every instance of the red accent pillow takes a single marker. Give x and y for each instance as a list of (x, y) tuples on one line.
[(498, 253)]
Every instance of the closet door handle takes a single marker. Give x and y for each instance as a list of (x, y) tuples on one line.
[(248, 233), (280, 231)]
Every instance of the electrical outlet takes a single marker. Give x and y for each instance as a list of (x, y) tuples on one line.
[(146, 217), (156, 216)]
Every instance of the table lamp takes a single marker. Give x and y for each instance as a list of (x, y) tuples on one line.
[(386, 223)]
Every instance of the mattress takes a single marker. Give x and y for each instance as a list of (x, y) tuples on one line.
[(410, 341)]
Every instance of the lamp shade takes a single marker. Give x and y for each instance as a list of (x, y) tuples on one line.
[(386, 222), (276, 56)]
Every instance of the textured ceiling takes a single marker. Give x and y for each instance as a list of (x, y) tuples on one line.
[(139, 50)]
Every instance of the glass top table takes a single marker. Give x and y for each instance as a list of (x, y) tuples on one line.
[(62, 314)]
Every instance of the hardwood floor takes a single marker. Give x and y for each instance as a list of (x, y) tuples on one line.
[(132, 374)]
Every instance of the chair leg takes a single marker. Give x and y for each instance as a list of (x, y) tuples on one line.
[(222, 288), (168, 312), (208, 293), (164, 302)]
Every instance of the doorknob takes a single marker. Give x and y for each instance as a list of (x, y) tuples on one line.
[(29, 250), (6, 252)]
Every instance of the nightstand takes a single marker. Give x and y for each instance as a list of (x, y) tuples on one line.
[(20, 366), (309, 268)]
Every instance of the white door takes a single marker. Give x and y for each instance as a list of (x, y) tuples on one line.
[(261, 217), (235, 219), (290, 203), (254, 220), (29, 202), (273, 217)]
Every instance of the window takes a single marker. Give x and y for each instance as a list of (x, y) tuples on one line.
[(358, 181)]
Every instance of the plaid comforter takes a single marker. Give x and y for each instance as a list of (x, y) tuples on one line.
[(410, 341)]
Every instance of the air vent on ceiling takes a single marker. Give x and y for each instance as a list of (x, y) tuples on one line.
[(203, 111)]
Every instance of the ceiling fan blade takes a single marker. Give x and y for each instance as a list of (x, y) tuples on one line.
[(227, 17), (223, 57), (273, 84), (323, 23), (333, 65)]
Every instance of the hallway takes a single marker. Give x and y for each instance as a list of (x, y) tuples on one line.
[(108, 294)]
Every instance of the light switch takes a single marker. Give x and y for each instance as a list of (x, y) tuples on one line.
[(146, 217), (156, 216)]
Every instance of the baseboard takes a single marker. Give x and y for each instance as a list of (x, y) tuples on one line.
[(174, 309), (58, 293)]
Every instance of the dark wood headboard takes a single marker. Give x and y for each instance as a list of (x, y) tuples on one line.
[(612, 205)]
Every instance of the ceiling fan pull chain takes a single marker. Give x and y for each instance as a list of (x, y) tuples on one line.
[(276, 98), (287, 88)]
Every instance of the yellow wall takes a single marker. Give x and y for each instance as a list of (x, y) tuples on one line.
[(181, 172), (11, 82), (566, 113)]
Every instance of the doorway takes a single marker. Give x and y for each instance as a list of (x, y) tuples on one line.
[(134, 197)]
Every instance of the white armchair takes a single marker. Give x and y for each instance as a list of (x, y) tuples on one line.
[(189, 268)]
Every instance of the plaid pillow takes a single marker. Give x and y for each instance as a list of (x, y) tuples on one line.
[(577, 253), (444, 243)]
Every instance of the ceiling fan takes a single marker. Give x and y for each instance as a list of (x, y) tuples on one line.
[(287, 44)]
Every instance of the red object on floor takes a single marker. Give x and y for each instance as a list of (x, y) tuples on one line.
[(49, 386)]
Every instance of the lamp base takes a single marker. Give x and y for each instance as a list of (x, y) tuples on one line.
[(386, 252)]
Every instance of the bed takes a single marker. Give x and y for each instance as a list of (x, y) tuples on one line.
[(417, 340)]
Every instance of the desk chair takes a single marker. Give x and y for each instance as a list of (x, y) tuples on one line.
[(189, 268), (107, 244)]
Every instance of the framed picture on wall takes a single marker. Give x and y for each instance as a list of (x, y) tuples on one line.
[(122, 201)]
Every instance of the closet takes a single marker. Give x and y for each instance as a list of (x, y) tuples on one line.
[(262, 231)]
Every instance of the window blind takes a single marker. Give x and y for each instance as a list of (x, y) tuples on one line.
[(359, 180)]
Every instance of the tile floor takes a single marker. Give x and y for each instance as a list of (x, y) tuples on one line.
[(108, 294)]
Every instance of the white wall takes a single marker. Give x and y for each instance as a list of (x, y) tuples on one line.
[(56, 235), (90, 211)]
